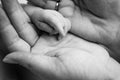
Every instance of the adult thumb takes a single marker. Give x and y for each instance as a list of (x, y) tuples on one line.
[(39, 64)]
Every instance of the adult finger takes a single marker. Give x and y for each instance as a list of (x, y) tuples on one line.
[(67, 8), (47, 4), (40, 64), (10, 36), (20, 21)]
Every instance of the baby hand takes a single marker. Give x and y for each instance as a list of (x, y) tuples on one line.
[(51, 21)]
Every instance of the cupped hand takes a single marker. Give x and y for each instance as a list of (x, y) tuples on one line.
[(96, 20), (93, 20), (71, 58)]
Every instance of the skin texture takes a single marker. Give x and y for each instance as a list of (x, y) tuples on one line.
[(71, 58), (102, 18), (49, 21)]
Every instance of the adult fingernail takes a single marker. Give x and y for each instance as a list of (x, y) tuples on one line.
[(9, 60)]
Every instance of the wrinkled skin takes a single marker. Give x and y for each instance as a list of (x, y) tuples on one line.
[(71, 58)]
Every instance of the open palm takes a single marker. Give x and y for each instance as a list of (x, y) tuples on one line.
[(71, 58), (95, 20)]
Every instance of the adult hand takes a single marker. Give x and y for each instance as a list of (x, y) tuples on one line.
[(95, 20), (71, 58)]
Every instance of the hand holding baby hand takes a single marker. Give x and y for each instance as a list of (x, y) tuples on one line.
[(49, 21)]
